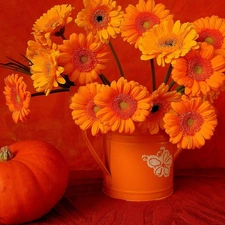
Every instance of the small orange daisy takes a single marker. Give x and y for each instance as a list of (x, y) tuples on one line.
[(52, 23), (122, 104), (161, 99), (211, 30), (84, 108), (17, 97), (189, 123), (83, 57), (46, 73), (102, 17), (168, 41), (200, 71), (140, 18)]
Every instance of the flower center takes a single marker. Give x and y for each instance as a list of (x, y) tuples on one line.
[(18, 99), (170, 43), (53, 23), (95, 108), (199, 68), (146, 25), (145, 21), (155, 108), (91, 108), (47, 69), (84, 60), (100, 18), (211, 36), (124, 106), (191, 123), (209, 40)]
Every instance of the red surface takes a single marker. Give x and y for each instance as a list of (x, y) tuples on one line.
[(50, 118), (198, 199)]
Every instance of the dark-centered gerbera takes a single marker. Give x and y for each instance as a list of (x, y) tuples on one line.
[(212, 30), (46, 73), (140, 18), (83, 57), (17, 97), (161, 99), (190, 123), (52, 22), (168, 41), (102, 17), (200, 71), (122, 104), (84, 108)]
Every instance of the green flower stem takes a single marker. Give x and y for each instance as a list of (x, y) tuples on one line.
[(104, 79), (117, 59), (51, 92), (153, 74), (171, 84), (167, 77), (180, 89)]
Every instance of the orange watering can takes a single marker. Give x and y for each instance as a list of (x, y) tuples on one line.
[(136, 167)]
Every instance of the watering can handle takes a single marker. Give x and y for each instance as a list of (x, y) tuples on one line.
[(95, 155), (179, 150)]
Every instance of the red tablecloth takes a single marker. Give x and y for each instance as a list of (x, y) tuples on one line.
[(198, 199)]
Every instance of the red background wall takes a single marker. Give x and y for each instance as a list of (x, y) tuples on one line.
[(50, 118)]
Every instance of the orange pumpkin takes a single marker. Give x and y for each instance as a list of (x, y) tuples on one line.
[(32, 181)]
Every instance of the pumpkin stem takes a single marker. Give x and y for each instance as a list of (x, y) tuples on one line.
[(5, 154)]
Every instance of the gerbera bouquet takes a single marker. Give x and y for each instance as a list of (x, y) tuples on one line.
[(182, 104)]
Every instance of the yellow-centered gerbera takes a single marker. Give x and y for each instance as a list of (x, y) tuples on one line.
[(200, 71), (46, 73), (83, 57), (84, 108), (211, 30), (168, 41), (102, 17), (17, 97), (140, 18), (122, 104), (190, 123)]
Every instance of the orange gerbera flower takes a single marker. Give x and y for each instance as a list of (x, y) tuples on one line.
[(52, 23), (122, 103), (34, 48), (84, 108), (161, 99), (46, 73), (168, 41), (139, 19), (17, 97), (211, 30), (83, 57), (190, 123), (200, 71), (102, 17)]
